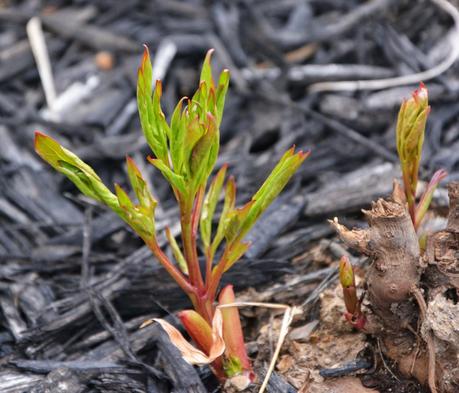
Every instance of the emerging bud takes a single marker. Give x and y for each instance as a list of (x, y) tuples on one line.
[(411, 124), (346, 273), (353, 312)]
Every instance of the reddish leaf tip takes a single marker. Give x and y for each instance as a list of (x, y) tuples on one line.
[(38, 135), (158, 87), (151, 159), (420, 93), (146, 54), (439, 175), (209, 54)]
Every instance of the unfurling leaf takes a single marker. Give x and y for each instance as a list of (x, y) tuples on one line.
[(142, 220), (181, 262), (123, 198), (204, 154), (152, 119), (424, 203), (346, 273), (212, 97), (139, 185), (222, 88), (206, 70), (347, 280), (228, 207), (411, 125), (410, 131), (209, 205), (178, 140), (272, 187), (80, 173), (176, 181)]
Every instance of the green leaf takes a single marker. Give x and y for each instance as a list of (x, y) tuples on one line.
[(199, 102), (195, 129), (181, 262), (80, 173), (204, 154), (236, 252), (236, 219), (272, 187), (209, 205), (426, 199), (178, 139), (139, 186), (410, 131), (152, 118), (346, 273), (123, 198), (220, 94), (206, 70), (139, 218), (176, 181)]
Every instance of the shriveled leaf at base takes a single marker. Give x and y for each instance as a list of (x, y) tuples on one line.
[(190, 353)]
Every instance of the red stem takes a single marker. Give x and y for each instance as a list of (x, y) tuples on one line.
[(216, 275), (189, 220), (179, 278), (410, 198), (209, 259)]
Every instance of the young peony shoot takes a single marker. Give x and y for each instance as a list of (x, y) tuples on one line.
[(411, 125), (185, 151)]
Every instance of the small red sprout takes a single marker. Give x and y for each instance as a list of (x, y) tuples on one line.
[(353, 312)]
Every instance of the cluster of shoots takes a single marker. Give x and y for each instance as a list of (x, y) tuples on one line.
[(410, 131), (185, 151)]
